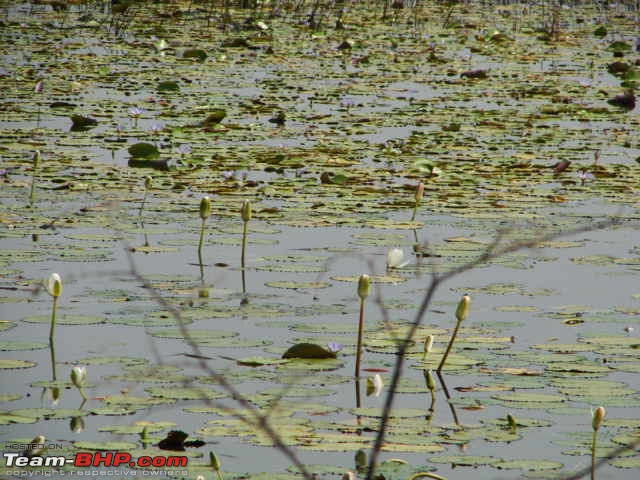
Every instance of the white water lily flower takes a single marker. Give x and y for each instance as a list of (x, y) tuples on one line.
[(78, 376), (54, 285), (395, 258)]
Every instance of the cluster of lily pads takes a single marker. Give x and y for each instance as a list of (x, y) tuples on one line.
[(380, 129)]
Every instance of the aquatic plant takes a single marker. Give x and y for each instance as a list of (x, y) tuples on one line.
[(364, 288), (79, 378), (215, 464), (585, 176), (347, 103), (34, 175), (396, 259), (434, 476), (431, 386), (156, 129), (462, 312), (596, 423), (34, 448), (428, 346), (245, 213), (360, 459), (161, 45), (205, 211), (145, 438), (135, 113), (76, 425), (184, 150), (54, 288), (148, 183), (38, 89), (418, 198), (375, 385)]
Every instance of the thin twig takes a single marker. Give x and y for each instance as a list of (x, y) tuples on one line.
[(259, 420), (493, 251), (618, 451)]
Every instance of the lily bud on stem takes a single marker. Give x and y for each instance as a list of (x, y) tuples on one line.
[(428, 346), (364, 288), (596, 423), (34, 175), (54, 288), (418, 198), (462, 312), (205, 211), (147, 186), (215, 464), (245, 213)]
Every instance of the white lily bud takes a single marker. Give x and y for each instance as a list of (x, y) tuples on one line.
[(205, 208), (462, 312), (431, 382), (364, 286), (598, 417), (245, 212), (54, 285), (78, 376), (428, 344)]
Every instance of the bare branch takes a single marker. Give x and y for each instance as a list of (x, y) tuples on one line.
[(493, 251), (587, 470), (259, 420)]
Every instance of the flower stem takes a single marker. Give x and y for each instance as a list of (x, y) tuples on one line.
[(201, 241), (53, 361), (219, 474), (32, 193), (593, 455), (52, 332), (415, 210), (446, 353), (144, 199), (244, 243), (84, 395), (360, 330)]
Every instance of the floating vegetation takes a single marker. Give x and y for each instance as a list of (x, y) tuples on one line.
[(321, 141)]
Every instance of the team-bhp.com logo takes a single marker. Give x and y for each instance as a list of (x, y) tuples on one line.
[(95, 459)]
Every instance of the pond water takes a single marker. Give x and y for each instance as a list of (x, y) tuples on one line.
[(553, 329)]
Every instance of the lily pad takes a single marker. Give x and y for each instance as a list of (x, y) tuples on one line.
[(308, 350), (11, 364), (528, 465), (143, 150), (8, 346)]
